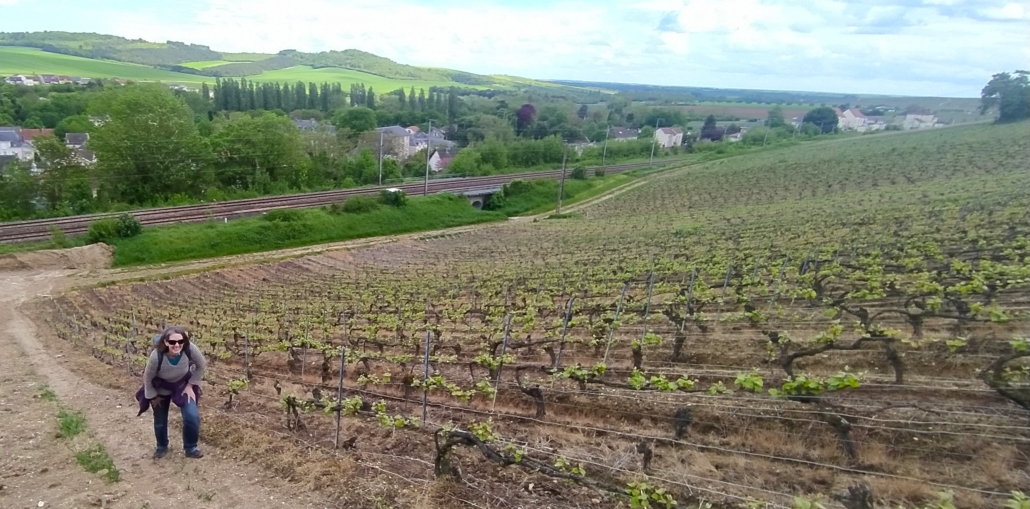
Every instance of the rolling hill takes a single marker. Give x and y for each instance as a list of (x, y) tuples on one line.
[(15, 60), (107, 56)]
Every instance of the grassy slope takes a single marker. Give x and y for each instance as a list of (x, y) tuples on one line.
[(543, 194), (207, 63), (188, 242), (15, 60), (346, 76), (245, 57)]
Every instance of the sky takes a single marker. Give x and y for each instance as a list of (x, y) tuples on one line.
[(890, 47)]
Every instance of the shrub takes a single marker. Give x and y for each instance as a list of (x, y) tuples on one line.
[(102, 230), (393, 198), (128, 226), (57, 237), (598, 172), (360, 204), (283, 215), (579, 173), (517, 187), (495, 201)]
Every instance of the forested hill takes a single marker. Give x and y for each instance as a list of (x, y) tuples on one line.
[(110, 47), (181, 57)]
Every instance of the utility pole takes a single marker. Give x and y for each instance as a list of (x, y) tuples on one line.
[(380, 157), (604, 152), (561, 186), (425, 190), (653, 141)]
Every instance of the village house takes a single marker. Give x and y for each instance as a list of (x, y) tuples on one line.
[(919, 121), (44, 79), (12, 144), (404, 142), (850, 119), (76, 140), (669, 137)]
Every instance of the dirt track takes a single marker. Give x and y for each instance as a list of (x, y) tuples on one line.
[(37, 466)]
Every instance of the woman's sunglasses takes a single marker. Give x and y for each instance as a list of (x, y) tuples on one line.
[(175, 342)]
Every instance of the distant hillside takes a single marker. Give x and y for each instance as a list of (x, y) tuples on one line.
[(109, 47), (203, 61)]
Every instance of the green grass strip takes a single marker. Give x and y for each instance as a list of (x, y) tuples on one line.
[(96, 459), (307, 227), (70, 423)]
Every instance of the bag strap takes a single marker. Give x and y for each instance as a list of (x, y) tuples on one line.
[(161, 358)]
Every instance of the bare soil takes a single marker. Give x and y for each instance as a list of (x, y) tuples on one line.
[(36, 466), (93, 256)]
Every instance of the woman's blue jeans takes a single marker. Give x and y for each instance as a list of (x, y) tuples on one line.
[(190, 425)]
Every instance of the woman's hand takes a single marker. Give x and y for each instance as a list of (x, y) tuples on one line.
[(190, 395), (157, 402)]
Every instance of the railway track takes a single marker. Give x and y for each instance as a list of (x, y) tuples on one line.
[(39, 229)]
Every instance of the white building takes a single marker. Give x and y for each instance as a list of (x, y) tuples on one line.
[(669, 137)]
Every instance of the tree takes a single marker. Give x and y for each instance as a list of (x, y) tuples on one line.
[(402, 99), (358, 119), (775, 118), (300, 100), (256, 152), (709, 123), (1009, 94), (825, 117), (582, 112), (452, 106), (63, 179), (412, 100), (18, 191), (313, 101), (467, 162), (370, 99), (149, 147), (524, 117), (422, 99), (75, 124)]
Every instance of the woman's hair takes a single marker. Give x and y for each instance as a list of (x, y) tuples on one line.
[(175, 329)]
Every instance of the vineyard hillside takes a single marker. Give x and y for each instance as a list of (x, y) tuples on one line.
[(840, 324)]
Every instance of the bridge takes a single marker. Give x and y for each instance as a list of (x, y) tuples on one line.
[(478, 196)]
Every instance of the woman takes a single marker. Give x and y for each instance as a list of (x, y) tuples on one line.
[(172, 376)]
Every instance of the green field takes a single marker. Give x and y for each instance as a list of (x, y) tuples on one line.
[(14, 60), (346, 77), (245, 57), (207, 63)]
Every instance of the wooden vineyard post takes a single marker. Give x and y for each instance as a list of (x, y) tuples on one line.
[(779, 281), (647, 305), (725, 284), (564, 331), (425, 378), (504, 347), (304, 347), (246, 355), (690, 298), (690, 292), (611, 333), (128, 342), (339, 395)]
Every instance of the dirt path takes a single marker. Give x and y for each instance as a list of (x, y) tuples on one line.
[(37, 466)]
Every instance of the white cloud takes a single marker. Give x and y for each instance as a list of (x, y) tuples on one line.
[(946, 47), (1011, 11)]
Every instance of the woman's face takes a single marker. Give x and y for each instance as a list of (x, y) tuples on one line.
[(175, 342)]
